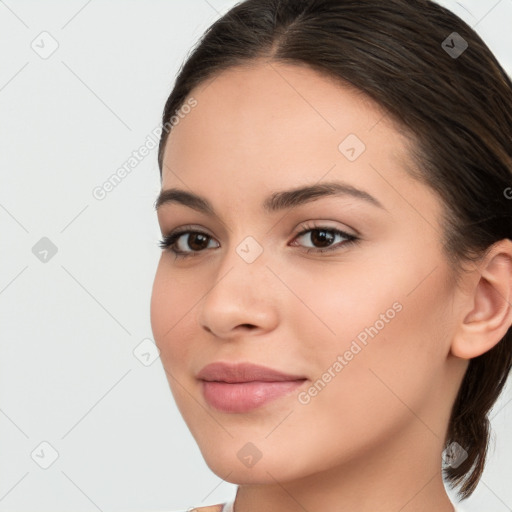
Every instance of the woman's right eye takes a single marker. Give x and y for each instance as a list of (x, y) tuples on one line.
[(171, 242)]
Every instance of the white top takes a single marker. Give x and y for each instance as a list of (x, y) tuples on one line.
[(228, 507)]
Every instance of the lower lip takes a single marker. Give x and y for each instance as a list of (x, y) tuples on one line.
[(245, 396)]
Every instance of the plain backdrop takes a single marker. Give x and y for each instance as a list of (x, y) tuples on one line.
[(87, 419)]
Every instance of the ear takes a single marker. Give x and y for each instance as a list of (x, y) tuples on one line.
[(486, 310)]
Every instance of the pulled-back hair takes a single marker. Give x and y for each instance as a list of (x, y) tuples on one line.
[(454, 104)]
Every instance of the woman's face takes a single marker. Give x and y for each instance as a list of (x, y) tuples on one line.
[(368, 324)]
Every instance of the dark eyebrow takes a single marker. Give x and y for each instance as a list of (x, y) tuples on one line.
[(282, 200)]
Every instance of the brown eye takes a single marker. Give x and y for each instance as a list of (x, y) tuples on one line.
[(196, 242), (323, 237)]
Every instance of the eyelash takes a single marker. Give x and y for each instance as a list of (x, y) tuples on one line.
[(168, 242)]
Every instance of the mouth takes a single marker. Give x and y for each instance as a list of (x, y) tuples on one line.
[(240, 397), (242, 387)]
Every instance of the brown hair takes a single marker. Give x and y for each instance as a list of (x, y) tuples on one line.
[(456, 106)]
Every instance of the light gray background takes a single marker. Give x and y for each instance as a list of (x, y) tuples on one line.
[(69, 326)]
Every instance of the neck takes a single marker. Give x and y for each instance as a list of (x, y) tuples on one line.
[(404, 476)]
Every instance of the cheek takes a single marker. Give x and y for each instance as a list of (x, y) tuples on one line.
[(390, 298), (387, 382), (171, 311), (161, 305), (383, 321), (339, 303)]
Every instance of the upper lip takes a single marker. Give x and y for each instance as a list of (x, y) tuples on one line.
[(243, 372)]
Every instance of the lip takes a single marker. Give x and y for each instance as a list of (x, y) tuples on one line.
[(243, 372), (242, 387)]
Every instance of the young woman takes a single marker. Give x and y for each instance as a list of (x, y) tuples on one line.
[(332, 304)]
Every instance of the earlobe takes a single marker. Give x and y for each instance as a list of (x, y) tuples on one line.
[(490, 310)]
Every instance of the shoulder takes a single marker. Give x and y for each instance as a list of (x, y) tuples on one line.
[(210, 508)]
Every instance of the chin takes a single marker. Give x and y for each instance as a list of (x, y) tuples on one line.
[(236, 466)]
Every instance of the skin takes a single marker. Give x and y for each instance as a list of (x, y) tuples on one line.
[(372, 438)]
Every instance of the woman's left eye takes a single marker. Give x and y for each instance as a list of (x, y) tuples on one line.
[(325, 235), (318, 234)]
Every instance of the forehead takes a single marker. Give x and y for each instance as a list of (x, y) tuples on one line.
[(272, 103), (270, 126)]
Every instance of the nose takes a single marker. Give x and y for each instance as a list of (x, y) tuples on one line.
[(244, 297)]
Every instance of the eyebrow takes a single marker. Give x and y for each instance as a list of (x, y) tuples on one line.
[(277, 201)]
